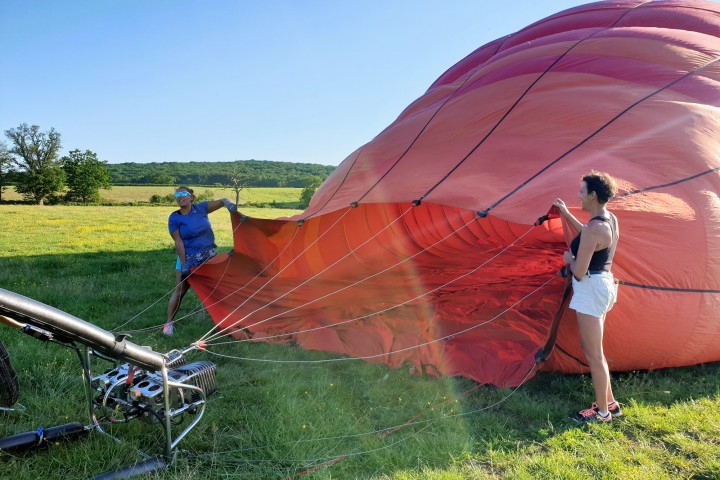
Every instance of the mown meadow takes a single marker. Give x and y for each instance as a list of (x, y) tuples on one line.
[(111, 264), (280, 198)]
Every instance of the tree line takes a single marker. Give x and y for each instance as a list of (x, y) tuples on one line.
[(31, 164), (251, 173)]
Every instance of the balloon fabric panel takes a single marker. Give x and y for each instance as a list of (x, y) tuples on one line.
[(412, 275)]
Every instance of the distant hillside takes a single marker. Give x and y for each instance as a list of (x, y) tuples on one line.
[(254, 173)]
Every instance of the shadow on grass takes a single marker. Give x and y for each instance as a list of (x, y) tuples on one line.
[(270, 419)]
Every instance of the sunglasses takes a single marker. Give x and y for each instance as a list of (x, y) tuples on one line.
[(182, 194)]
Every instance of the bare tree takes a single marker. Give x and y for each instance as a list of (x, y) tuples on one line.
[(236, 180)]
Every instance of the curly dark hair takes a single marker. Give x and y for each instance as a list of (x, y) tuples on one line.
[(602, 184)]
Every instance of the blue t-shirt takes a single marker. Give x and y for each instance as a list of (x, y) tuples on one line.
[(195, 229)]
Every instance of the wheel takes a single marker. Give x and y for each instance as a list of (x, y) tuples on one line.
[(9, 387)]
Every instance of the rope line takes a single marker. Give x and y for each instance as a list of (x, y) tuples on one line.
[(387, 309), (354, 284), (210, 332), (287, 245), (391, 352), (670, 184), (437, 405), (347, 174), (168, 293), (667, 289), (596, 132), (208, 337), (520, 98), (424, 128), (379, 432), (308, 461), (202, 306), (156, 302)]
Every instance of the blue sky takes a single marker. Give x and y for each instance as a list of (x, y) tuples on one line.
[(179, 80)]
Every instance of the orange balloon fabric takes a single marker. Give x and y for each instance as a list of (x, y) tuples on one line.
[(421, 249)]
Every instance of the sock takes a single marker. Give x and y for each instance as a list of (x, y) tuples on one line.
[(604, 415)]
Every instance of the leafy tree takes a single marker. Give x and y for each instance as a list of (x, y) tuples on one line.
[(162, 178), (311, 184), (36, 154), (86, 175), (5, 164), (206, 196)]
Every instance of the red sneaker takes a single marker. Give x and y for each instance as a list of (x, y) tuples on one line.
[(592, 414), (168, 328), (613, 407)]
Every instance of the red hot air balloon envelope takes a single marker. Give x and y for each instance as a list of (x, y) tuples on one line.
[(392, 263)]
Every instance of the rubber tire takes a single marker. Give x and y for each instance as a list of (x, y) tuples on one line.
[(9, 387)]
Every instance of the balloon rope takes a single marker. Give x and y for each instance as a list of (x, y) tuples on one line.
[(216, 334), (328, 460), (383, 432), (209, 332), (155, 327), (422, 130), (352, 285), (362, 317), (202, 307), (417, 137), (347, 174), (162, 297), (287, 245), (494, 128), (603, 127), (522, 96), (428, 423), (665, 185), (391, 352)]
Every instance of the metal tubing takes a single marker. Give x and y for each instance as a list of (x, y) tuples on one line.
[(199, 414), (168, 412), (23, 309), (87, 380)]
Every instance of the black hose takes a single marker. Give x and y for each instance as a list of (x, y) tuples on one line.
[(148, 466)]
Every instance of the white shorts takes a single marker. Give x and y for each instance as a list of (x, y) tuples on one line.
[(595, 294)]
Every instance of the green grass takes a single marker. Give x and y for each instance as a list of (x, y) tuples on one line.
[(105, 264), (282, 197)]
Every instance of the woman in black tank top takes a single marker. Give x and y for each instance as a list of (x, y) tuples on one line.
[(594, 292)]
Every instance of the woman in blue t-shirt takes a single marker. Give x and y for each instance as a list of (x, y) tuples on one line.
[(194, 242)]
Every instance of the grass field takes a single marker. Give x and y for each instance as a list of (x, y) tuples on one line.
[(282, 197), (107, 264)]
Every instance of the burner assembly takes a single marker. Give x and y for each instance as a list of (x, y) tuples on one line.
[(163, 390)]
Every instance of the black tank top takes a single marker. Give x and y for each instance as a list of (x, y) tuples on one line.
[(602, 259)]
